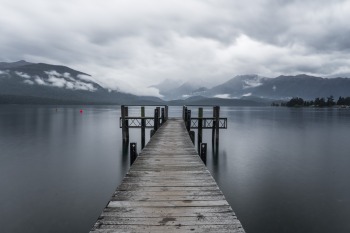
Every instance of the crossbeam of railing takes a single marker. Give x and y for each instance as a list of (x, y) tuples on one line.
[(207, 122), (136, 122)]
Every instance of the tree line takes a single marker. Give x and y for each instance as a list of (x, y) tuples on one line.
[(317, 102)]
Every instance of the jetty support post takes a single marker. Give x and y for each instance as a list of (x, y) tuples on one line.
[(143, 127), (203, 152), (217, 125), (213, 127), (200, 129), (133, 152), (158, 108), (166, 112), (156, 121), (185, 113), (163, 116), (125, 123), (188, 120)]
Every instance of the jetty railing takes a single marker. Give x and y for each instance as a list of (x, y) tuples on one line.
[(126, 122), (215, 123)]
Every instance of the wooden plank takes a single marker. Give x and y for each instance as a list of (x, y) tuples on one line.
[(168, 193), (173, 210), (168, 179), (235, 227), (166, 203), (168, 189), (169, 221), (159, 212), (167, 173), (138, 187), (167, 198)]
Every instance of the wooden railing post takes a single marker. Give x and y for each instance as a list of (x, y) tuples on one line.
[(156, 119), (122, 114), (203, 153), (200, 127), (158, 108), (185, 114), (143, 127), (166, 112), (217, 126), (163, 116), (125, 123), (133, 152), (188, 122), (213, 126)]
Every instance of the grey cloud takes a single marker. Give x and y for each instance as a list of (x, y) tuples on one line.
[(60, 80), (131, 45), (30, 82), (39, 81), (23, 75)]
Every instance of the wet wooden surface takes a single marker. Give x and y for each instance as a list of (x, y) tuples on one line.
[(168, 189)]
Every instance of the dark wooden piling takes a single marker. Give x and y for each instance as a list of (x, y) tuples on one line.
[(200, 128), (156, 119), (125, 123), (213, 132), (217, 125), (163, 115), (122, 115), (133, 152), (166, 112), (188, 121), (143, 128), (203, 152), (158, 109)]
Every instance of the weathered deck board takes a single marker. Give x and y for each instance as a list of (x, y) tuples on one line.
[(168, 189)]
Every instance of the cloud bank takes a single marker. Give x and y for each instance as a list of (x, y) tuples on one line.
[(55, 79), (130, 45)]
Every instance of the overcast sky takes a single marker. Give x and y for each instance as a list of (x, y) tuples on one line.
[(130, 45)]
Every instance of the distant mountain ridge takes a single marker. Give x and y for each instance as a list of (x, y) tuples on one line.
[(284, 87), (279, 88), (23, 81), (9, 65), (172, 89)]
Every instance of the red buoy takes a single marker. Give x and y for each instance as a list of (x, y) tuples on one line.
[(81, 110)]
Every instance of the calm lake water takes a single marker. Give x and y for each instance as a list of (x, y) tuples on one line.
[(281, 169)]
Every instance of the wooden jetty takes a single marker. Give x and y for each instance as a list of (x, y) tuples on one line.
[(168, 189)]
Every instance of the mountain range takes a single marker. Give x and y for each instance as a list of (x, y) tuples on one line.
[(256, 87), (24, 82)]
